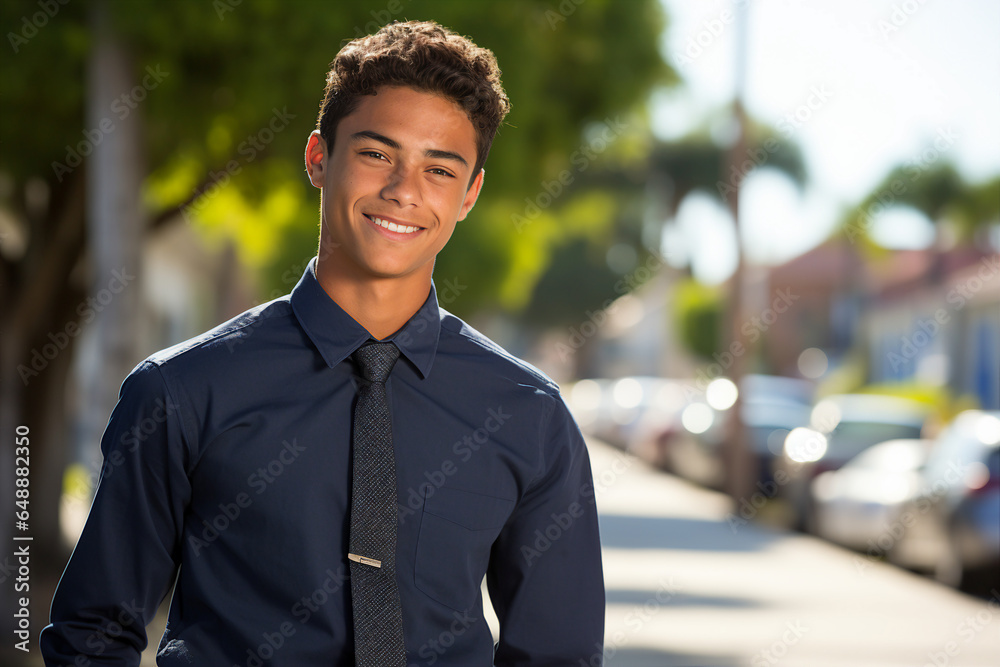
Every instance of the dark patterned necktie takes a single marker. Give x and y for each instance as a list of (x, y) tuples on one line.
[(378, 621)]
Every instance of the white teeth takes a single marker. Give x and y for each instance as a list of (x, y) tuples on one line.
[(393, 227)]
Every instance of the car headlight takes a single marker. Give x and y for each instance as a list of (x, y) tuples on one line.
[(697, 418), (804, 445)]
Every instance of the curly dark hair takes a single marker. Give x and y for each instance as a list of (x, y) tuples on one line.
[(422, 55)]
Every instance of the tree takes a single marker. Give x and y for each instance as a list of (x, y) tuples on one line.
[(227, 92), (935, 189), (698, 317)]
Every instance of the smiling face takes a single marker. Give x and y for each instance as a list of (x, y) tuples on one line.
[(394, 185)]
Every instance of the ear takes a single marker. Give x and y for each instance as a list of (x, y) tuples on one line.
[(472, 194), (316, 152)]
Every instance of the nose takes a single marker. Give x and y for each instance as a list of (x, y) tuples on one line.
[(403, 186)]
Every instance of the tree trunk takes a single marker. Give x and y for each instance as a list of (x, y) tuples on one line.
[(35, 352), (739, 461), (116, 222)]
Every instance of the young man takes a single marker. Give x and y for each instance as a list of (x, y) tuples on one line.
[(324, 499)]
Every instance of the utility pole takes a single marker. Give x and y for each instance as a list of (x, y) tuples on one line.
[(739, 461)]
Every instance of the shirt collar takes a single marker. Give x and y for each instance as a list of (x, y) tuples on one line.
[(336, 334)]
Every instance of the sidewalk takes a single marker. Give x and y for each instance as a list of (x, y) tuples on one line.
[(686, 586)]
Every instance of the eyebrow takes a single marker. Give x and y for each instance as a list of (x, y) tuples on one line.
[(391, 143)]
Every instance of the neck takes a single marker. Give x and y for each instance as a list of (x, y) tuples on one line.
[(381, 305)]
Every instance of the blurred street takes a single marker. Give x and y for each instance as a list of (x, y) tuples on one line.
[(689, 584), (755, 244)]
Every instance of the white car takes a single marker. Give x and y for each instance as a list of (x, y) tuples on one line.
[(857, 505)]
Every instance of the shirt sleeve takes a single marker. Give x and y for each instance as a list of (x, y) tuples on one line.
[(127, 556), (545, 576)]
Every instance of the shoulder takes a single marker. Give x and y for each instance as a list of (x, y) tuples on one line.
[(485, 356), (219, 368), (247, 332)]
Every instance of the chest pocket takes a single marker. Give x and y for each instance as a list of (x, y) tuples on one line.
[(457, 530)]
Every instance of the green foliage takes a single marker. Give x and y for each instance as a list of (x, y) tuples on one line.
[(696, 163), (698, 317), (41, 119), (578, 277), (978, 205), (935, 189), (232, 67)]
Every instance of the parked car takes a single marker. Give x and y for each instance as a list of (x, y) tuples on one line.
[(770, 407), (624, 411), (662, 417), (953, 523), (840, 428), (587, 401), (858, 505)]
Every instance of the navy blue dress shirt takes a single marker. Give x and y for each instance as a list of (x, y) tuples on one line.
[(227, 469)]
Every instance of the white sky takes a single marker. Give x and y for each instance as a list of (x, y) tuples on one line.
[(895, 74)]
